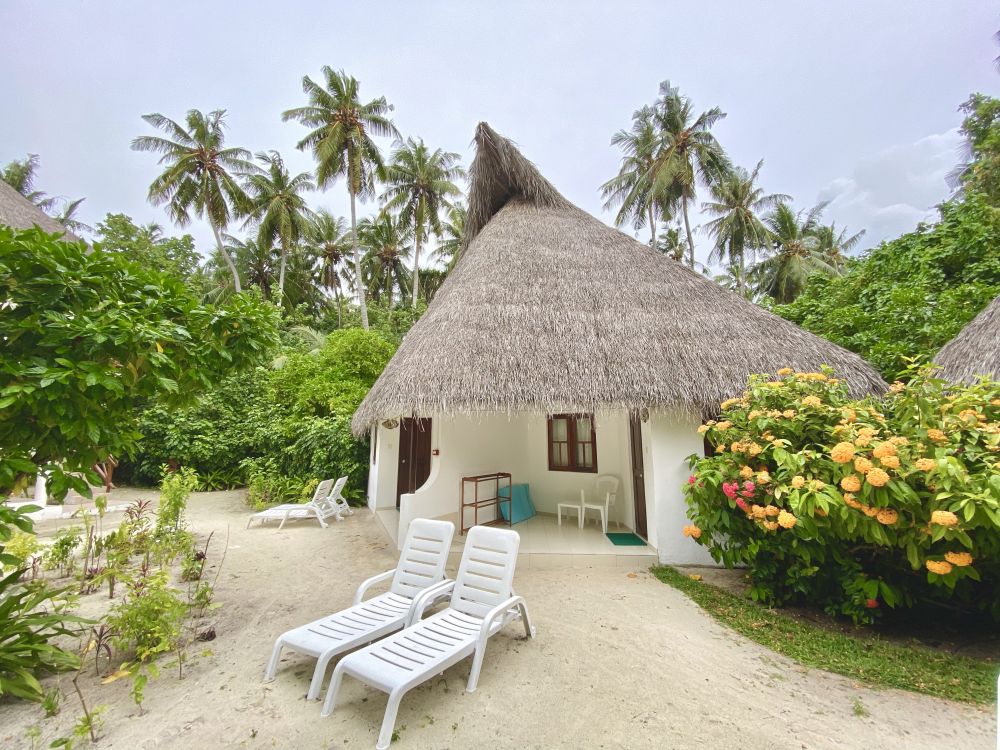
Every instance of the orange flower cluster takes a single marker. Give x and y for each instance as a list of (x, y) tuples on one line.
[(884, 449), (692, 531), (890, 462), (842, 453), (940, 567), (959, 559), (862, 465), (944, 518), (784, 371), (926, 464), (851, 483), (936, 435), (798, 482), (877, 478), (786, 520), (887, 516), (812, 401)]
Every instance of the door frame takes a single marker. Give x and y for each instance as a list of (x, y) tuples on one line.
[(637, 470)]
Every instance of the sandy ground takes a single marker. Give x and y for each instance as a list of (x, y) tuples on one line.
[(621, 661)]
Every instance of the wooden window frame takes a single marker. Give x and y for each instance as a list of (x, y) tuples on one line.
[(573, 444)]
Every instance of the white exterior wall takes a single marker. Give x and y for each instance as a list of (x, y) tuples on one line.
[(673, 438), (489, 443)]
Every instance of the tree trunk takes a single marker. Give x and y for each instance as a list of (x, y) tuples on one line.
[(687, 228), (416, 272), (652, 227), (229, 261), (340, 305), (357, 264), (741, 270), (281, 275)]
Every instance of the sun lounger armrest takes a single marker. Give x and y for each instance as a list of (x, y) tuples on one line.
[(427, 597), (367, 584), (484, 629)]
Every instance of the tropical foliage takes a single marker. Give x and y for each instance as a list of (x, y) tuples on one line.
[(88, 337), (851, 505)]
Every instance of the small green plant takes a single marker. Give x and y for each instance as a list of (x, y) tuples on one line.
[(175, 489), (22, 546), (51, 701), (60, 554), (33, 734), (148, 621), (90, 724), (859, 710)]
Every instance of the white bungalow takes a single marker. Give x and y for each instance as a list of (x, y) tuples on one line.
[(560, 350)]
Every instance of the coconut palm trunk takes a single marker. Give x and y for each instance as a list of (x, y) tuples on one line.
[(652, 227), (281, 273), (687, 229), (416, 271), (229, 261), (357, 262)]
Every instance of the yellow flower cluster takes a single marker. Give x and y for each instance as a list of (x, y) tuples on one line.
[(754, 413), (692, 531), (862, 465), (786, 520), (877, 478), (758, 511), (746, 472), (869, 511), (812, 401), (884, 449), (959, 559), (816, 485), (897, 387), (926, 464), (970, 415), (842, 453), (944, 518), (770, 525), (789, 413), (798, 482), (703, 429), (729, 402), (784, 371), (763, 477), (850, 415), (725, 424), (868, 432), (851, 483), (862, 441), (887, 516), (936, 435), (754, 450), (940, 567), (772, 510), (814, 376), (891, 462), (851, 502), (899, 440)]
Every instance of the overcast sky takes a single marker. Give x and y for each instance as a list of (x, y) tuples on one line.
[(851, 102)]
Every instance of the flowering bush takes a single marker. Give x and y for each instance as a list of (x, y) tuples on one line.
[(852, 504)]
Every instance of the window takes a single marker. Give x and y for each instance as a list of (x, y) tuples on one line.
[(572, 443)]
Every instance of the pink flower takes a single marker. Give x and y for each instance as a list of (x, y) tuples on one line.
[(872, 604), (691, 479), (729, 489), (749, 486), (742, 505)]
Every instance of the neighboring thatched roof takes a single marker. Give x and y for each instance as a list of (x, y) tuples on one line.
[(18, 212), (975, 350), (549, 309)]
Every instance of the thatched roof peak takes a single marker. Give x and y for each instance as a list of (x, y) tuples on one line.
[(975, 350), (551, 310), (500, 173), (18, 212)]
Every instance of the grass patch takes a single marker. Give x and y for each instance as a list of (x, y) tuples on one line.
[(871, 660)]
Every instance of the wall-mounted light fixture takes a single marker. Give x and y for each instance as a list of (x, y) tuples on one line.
[(391, 424)]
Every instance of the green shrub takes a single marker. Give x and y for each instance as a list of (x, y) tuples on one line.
[(849, 505), (175, 489), (60, 554), (149, 620), (22, 546)]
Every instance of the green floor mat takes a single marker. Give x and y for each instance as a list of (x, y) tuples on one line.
[(625, 539)]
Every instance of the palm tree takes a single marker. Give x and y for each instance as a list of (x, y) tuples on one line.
[(797, 256), (254, 259), (328, 241), (420, 182), (341, 142), (452, 235), (67, 216), (21, 175), (278, 208), (201, 174), (631, 189), (387, 242), (687, 152), (737, 204), (835, 246), (671, 243)]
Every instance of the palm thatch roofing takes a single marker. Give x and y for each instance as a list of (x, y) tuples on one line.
[(549, 309), (975, 350), (18, 212)]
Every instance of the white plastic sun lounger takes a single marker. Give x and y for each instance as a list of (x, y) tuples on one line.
[(420, 567), (321, 507), (482, 602)]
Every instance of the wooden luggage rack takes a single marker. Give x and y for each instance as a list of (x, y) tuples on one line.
[(476, 495)]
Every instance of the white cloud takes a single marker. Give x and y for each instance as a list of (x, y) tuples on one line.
[(889, 193)]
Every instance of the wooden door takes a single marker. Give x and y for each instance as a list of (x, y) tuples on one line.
[(638, 476), (414, 455)]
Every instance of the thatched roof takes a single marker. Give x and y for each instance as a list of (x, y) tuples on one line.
[(549, 309), (18, 212), (975, 350)]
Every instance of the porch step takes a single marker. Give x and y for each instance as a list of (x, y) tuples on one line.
[(555, 560), (389, 518)]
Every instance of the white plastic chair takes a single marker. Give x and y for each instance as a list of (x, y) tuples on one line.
[(321, 507), (336, 497), (606, 489), (576, 507), (421, 566), (482, 602)]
